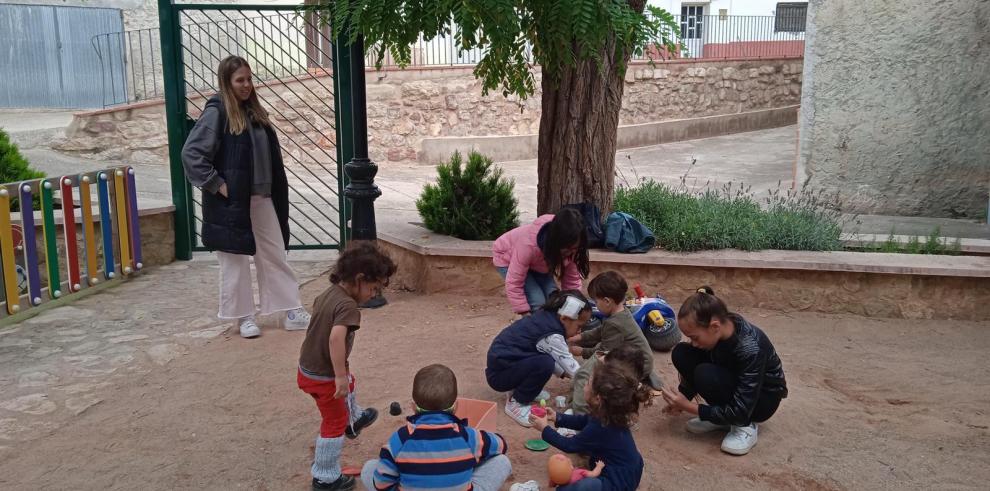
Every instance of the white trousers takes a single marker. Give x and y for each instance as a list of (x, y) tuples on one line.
[(278, 287)]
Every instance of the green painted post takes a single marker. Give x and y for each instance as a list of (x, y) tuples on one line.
[(344, 111), (175, 117)]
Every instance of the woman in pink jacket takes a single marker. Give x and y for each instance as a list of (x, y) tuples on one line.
[(532, 257)]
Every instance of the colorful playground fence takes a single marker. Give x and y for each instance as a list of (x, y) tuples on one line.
[(112, 254)]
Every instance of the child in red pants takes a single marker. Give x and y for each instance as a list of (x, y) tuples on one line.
[(361, 271)]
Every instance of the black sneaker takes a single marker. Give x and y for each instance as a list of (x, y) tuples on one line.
[(367, 418), (343, 483)]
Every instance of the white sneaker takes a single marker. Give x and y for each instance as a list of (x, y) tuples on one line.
[(697, 426), (296, 320), (740, 440), (249, 328), (525, 486), (518, 412)]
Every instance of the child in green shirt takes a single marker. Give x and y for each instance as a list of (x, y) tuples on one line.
[(608, 290)]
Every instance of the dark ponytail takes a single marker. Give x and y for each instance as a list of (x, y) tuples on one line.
[(566, 229), (704, 306)]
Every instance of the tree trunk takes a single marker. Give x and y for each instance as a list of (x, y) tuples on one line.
[(578, 129)]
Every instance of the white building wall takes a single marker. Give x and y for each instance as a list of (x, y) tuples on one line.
[(734, 7)]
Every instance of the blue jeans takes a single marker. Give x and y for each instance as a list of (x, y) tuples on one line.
[(538, 287), (586, 484)]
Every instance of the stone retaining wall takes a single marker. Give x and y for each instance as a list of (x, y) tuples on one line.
[(747, 281), (405, 107)]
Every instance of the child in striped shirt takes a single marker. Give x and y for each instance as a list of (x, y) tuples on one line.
[(435, 449)]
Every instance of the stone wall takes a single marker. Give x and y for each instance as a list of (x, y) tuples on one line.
[(870, 294), (896, 107), (404, 107)]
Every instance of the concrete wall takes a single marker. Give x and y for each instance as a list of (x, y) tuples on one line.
[(406, 107), (896, 106)]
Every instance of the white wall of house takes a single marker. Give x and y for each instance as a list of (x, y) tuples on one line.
[(733, 7)]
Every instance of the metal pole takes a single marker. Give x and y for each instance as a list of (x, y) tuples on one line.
[(361, 189), (175, 115)]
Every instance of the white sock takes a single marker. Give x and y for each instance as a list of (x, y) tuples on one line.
[(353, 409), (326, 461)]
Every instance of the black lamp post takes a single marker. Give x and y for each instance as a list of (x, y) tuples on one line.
[(361, 170), (361, 188)]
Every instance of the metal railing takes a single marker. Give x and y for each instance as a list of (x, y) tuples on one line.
[(137, 52)]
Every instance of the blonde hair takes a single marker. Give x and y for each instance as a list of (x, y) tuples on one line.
[(237, 117)]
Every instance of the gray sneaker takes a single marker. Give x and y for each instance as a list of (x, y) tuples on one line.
[(697, 426)]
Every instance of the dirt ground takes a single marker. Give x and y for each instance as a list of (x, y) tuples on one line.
[(874, 404)]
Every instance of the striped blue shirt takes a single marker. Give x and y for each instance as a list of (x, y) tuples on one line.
[(434, 451)]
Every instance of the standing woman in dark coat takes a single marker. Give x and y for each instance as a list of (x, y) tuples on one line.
[(233, 156)]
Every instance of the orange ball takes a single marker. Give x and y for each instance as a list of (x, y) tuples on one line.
[(559, 468)]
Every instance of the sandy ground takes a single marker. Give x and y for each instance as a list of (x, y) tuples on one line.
[(874, 404)]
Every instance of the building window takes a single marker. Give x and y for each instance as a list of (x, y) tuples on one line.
[(790, 17), (692, 21)]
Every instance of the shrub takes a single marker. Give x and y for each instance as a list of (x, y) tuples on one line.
[(14, 168), (731, 218), (470, 202)]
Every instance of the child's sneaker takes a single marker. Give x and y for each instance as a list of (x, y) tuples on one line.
[(248, 327), (296, 320), (740, 440), (525, 486), (343, 483), (518, 412), (368, 417), (697, 426)]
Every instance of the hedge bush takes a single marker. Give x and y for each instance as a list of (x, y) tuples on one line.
[(470, 202), (730, 217), (14, 168)]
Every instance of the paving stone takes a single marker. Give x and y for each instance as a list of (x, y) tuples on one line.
[(36, 404)]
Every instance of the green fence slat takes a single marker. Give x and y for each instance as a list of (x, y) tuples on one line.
[(51, 243)]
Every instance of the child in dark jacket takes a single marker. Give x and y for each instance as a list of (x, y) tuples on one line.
[(435, 450), (614, 395), (732, 365), (524, 356)]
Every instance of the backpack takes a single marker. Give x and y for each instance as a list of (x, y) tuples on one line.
[(593, 223), (623, 233)]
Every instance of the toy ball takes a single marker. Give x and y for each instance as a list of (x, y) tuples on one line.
[(395, 409), (559, 469)]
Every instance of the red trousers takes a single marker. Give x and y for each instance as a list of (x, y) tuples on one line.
[(333, 411)]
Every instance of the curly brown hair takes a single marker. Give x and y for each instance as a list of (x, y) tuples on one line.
[(363, 258), (619, 393)]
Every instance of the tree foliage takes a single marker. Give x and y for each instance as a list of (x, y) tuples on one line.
[(513, 35)]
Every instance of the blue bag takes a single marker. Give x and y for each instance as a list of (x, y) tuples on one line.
[(623, 233)]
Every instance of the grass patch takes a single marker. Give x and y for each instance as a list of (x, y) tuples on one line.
[(731, 217)]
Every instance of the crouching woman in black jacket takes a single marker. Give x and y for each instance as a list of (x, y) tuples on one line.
[(732, 365)]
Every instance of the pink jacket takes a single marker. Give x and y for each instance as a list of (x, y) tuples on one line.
[(518, 251)]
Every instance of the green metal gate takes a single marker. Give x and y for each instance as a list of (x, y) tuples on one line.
[(298, 74)]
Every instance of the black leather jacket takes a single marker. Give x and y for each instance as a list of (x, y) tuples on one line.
[(750, 355)]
